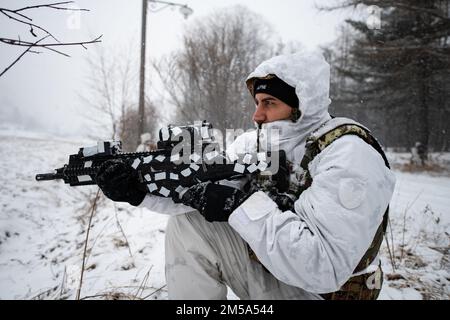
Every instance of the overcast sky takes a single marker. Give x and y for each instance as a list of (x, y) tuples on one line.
[(44, 88)]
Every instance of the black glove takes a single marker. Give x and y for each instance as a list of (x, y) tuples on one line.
[(284, 201), (119, 182), (281, 178), (214, 201)]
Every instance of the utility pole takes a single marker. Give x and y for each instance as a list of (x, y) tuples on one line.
[(186, 12), (142, 69)]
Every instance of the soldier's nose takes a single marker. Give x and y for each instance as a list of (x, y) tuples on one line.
[(259, 116)]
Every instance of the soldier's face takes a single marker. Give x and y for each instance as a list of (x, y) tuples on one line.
[(269, 109)]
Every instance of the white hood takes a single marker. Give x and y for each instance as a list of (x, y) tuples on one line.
[(309, 74)]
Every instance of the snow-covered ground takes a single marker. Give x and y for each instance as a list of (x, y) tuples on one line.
[(42, 232)]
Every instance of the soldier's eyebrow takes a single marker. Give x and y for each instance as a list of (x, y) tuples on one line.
[(265, 99)]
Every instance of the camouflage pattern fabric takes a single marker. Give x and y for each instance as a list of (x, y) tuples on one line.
[(363, 287)]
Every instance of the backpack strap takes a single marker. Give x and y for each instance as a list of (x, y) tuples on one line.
[(333, 130)]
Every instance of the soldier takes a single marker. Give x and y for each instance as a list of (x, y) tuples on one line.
[(421, 152), (418, 154), (321, 239)]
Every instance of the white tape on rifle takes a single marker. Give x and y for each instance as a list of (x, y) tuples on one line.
[(85, 178), (252, 168), (100, 147), (247, 159), (160, 176), (165, 134), (165, 192), (262, 166), (152, 187), (261, 156), (88, 164), (186, 172), (174, 157), (160, 158), (148, 159), (136, 163), (194, 167), (148, 177), (239, 168), (173, 176)]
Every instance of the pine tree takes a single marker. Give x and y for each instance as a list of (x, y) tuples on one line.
[(400, 73)]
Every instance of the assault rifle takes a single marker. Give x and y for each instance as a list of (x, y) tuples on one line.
[(185, 156)]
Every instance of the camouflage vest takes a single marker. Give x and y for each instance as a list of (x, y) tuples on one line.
[(368, 285)]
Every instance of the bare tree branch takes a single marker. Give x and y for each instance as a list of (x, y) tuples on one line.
[(48, 45), (31, 25), (19, 57), (17, 16), (93, 209), (53, 6), (122, 231)]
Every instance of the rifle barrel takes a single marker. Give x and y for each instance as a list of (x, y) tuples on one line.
[(47, 176)]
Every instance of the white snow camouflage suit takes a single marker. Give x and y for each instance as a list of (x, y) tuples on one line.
[(309, 252)]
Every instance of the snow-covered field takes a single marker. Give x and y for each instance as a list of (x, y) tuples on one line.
[(42, 233)]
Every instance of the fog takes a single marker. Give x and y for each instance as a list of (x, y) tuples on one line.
[(41, 92)]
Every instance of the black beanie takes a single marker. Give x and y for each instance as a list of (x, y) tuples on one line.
[(277, 88)]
